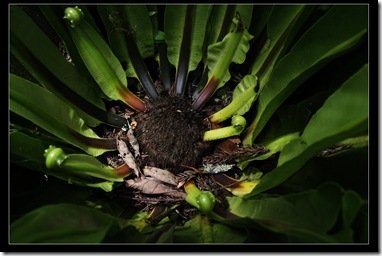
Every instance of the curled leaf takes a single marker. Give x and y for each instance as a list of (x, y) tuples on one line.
[(127, 156)]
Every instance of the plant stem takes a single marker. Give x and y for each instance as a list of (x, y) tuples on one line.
[(139, 66), (185, 51), (238, 125), (232, 108), (220, 68), (164, 66)]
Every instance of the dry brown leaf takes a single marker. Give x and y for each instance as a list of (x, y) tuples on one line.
[(161, 175), (127, 157), (150, 186)]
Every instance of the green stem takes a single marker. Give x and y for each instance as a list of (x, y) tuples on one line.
[(232, 108), (238, 125), (203, 200), (77, 165)]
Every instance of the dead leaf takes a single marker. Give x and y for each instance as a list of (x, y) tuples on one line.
[(127, 157), (151, 186), (161, 175), (133, 141)]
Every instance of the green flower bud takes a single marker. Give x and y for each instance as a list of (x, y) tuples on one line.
[(54, 157), (73, 15), (206, 201)]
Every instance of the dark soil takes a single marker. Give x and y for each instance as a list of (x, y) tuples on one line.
[(170, 134)]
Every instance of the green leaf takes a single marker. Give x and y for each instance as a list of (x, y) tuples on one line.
[(260, 17), (283, 22), (330, 124), (112, 19), (63, 223), (233, 48), (243, 97), (306, 57), (103, 65), (174, 23), (220, 22), (85, 165), (311, 213), (131, 44), (200, 230), (49, 67), (139, 21), (46, 110), (334, 113)]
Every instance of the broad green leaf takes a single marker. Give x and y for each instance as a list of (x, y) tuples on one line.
[(334, 113), (46, 110), (46, 53), (112, 19), (260, 17), (282, 22), (53, 14), (311, 213), (103, 65), (49, 67), (277, 145), (139, 21), (220, 22), (134, 18), (307, 56), (233, 48), (329, 125), (63, 223), (174, 23), (88, 43), (201, 230)]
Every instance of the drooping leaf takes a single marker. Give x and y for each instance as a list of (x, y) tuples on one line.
[(46, 110), (305, 216), (306, 57), (339, 124), (63, 223)]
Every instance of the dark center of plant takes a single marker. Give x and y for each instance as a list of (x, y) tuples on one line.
[(170, 134)]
